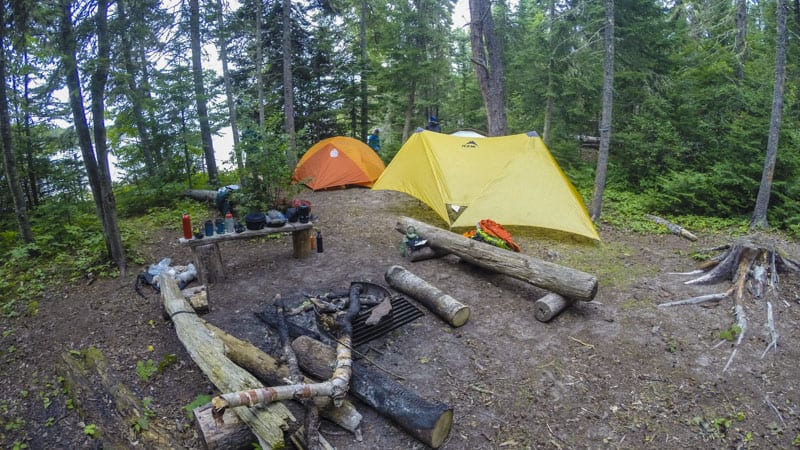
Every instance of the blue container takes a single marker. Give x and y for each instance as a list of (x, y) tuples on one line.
[(220, 226), (209, 225)]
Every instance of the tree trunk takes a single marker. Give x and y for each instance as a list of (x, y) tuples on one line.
[(759, 220), (108, 206), (740, 45), (200, 93), (101, 193), (429, 422), (487, 54), (446, 307), (222, 35), (288, 89), (208, 352), (562, 280), (605, 119), (17, 195), (259, 62), (409, 115)]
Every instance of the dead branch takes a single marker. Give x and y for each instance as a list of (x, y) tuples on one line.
[(673, 228)]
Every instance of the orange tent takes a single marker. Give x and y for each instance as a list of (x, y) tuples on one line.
[(338, 161)]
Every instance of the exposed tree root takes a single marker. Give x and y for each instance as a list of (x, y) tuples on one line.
[(752, 264)]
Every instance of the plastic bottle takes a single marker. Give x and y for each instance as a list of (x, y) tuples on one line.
[(312, 244), (209, 228), (229, 223), (220, 225), (187, 225), (319, 242)]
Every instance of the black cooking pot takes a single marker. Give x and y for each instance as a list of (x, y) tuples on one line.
[(255, 221)]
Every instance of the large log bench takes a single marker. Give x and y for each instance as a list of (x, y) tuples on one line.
[(207, 257)]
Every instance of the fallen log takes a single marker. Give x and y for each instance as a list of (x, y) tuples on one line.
[(549, 306), (110, 405), (208, 353), (673, 228), (427, 421), (566, 281), (201, 195), (446, 307)]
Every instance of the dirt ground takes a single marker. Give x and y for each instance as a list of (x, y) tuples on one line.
[(617, 372)]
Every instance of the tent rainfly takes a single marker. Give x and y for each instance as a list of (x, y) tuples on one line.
[(512, 180), (338, 161)]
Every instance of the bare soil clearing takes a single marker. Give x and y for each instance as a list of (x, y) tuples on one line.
[(617, 372)]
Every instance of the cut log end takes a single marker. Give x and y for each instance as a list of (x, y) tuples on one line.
[(550, 306)]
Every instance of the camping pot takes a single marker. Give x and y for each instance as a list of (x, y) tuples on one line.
[(303, 213), (291, 214)]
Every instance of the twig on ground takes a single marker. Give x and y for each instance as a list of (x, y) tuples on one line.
[(581, 342)]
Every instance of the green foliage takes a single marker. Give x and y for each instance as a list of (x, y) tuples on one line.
[(91, 430), (147, 369), (731, 333), (200, 400)]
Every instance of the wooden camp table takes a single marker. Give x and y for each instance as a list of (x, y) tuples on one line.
[(207, 257)]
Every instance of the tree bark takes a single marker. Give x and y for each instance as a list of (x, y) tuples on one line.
[(14, 186), (108, 206), (429, 422), (208, 352), (605, 118), (200, 93), (487, 53), (446, 307), (571, 283), (759, 220)]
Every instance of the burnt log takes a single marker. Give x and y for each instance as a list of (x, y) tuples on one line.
[(566, 281), (446, 307), (427, 421)]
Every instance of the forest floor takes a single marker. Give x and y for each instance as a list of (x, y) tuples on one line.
[(616, 372)]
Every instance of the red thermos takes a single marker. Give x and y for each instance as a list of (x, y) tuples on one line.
[(187, 226)]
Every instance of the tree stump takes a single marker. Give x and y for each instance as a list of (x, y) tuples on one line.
[(208, 262)]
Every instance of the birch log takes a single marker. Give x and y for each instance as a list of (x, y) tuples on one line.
[(427, 421), (446, 307), (208, 353), (566, 281)]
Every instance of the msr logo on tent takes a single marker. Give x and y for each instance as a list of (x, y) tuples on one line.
[(470, 144)]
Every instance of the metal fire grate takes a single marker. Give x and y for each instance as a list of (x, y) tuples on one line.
[(402, 313)]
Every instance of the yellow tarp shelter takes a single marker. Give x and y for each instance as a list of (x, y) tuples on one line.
[(338, 161), (512, 180)]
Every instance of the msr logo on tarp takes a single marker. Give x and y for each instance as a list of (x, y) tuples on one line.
[(470, 144)]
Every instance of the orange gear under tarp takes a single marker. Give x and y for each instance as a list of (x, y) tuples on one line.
[(338, 161), (494, 229)]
